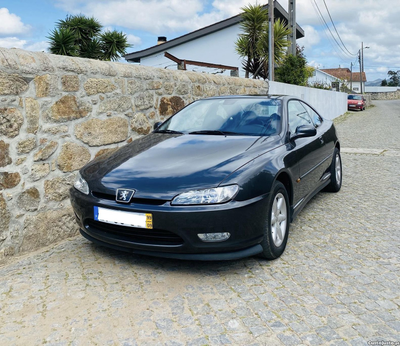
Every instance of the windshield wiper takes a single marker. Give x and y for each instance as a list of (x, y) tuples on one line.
[(168, 131), (213, 132)]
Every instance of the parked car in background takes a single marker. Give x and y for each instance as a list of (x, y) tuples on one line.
[(356, 102), (221, 179)]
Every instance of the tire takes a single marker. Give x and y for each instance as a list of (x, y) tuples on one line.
[(276, 226), (336, 173)]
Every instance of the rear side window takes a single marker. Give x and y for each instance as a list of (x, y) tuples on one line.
[(298, 115), (316, 118)]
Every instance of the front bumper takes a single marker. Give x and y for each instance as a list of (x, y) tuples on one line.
[(175, 228), (355, 106)]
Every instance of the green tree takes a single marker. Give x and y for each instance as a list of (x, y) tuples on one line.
[(310, 71), (253, 44), (81, 36), (384, 82), (393, 78), (294, 69)]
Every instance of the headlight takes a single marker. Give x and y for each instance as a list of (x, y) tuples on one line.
[(207, 196), (81, 185)]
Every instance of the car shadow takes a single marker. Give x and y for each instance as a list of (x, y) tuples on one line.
[(171, 264)]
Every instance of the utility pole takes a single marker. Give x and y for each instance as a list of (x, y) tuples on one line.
[(271, 54), (351, 76), (361, 68), (362, 58), (292, 25)]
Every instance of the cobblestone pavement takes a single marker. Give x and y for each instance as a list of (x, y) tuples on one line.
[(336, 284)]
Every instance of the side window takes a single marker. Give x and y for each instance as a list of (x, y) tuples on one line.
[(316, 118), (298, 116)]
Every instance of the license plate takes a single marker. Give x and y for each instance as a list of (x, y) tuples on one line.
[(123, 218), (352, 105)]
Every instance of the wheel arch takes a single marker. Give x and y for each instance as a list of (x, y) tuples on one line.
[(337, 145), (284, 178)]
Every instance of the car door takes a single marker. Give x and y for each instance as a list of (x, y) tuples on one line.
[(324, 133), (308, 151)]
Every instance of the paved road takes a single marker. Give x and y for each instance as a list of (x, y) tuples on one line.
[(336, 284)]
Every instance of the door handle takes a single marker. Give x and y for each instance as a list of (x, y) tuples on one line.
[(321, 140)]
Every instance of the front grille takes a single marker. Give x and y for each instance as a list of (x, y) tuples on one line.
[(134, 200), (136, 235)]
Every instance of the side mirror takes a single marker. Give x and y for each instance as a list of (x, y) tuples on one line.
[(157, 125), (304, 131)]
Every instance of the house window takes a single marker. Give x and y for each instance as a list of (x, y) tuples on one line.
[(355, 88)]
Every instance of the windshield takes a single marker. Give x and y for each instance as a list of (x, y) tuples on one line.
[(354, 97), (230, 116)]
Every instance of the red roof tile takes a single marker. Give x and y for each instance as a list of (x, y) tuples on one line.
[(345, 73)]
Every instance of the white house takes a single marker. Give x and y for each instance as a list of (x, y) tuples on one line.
[(352, 79), (323, 79), (214, 44)]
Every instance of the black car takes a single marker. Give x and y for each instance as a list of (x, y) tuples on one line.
[(221, 179)]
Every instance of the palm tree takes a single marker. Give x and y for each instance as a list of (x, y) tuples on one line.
[(81, 36), (252, 45), (85, 31), (113, 44), (254, 22), (84, 28), (62, 42)]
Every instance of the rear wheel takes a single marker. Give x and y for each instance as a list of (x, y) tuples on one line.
[(336, 173), (277, 223)]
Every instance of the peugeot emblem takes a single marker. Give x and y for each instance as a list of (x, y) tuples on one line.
[(124, 195)]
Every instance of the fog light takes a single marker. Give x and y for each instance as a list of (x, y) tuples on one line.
[(214, 237)]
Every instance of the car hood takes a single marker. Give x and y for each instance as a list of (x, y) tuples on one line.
[(160, 166), (354, 101)]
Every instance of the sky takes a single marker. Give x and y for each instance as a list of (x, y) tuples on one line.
[(334, 29)]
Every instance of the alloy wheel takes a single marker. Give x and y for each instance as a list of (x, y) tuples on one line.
[(279, 219), (338, 169)]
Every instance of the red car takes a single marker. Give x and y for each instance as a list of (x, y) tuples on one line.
[(356, 102)]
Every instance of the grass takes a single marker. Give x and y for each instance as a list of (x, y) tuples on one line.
[(342, 118)]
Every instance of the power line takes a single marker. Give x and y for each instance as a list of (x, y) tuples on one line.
[(328, 37), (327, 10), (327, 26)]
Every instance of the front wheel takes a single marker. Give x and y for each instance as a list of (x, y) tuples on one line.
[(277, 223), (336, 173)]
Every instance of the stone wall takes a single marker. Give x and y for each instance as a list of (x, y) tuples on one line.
[(57, 113), (392, 95), (368, 99)]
